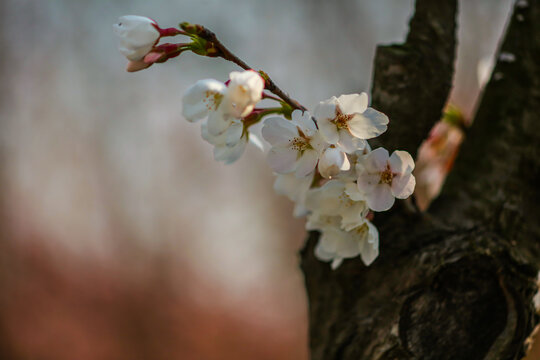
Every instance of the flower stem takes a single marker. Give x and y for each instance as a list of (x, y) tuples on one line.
[(228, 55), (258, 114), (267, 96)]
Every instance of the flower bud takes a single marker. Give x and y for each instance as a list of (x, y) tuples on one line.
[(244, 91), (138, 65), (137, 35), (332, 161)]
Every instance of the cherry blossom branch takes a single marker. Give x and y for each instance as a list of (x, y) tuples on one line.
[(226, 54), (257, 115)]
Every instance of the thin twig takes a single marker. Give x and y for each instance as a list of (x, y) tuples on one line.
[(228, 55)]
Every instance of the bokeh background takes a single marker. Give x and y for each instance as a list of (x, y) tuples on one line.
[(120, 237)]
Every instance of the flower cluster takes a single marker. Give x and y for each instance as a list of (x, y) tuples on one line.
[(225, 106), (326, 166), (322, 160)]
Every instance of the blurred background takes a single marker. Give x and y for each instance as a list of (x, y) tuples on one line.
[(120, 236)]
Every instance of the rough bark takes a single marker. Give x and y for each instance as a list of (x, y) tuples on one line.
[(456, 282), (411, 81)]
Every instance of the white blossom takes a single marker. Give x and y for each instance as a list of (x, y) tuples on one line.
[(337, 198), (221, 103), (224, 106), (229, 145), (202, 98), (382, 178), (243, 92), (295, 144), (295, 189), (137, 35), (335, 244), (347, 121)]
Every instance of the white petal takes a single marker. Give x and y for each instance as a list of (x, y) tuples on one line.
[(321, 254), (328, 131), (336, 263), (376, 161), (251, 80), (347, 246), (133, 53), (243, 92), (403, 186), (368, 253), (218, 122), (317, 142), (373, 234), (234, 133), (366, 183), (326, 109), (322, 223), (218, 140), (234, 105), (401, 162), (295, 189), (380, 198), (368, 125), (230, 154), (304, 121), (130, 20), (332, 162), (256, 140), (137, 35), (326, 199), (346, 165), (328, 171), (282, 159), (353, 103), (299, 210), (370, 246), (307, 163), (349, 143), (201, 98), (247, 110), (354, 215), (291, 186), (313, 222), (351, 189), (278, 131), (329, 241)]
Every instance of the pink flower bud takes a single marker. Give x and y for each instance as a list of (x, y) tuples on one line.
[(133, 66)]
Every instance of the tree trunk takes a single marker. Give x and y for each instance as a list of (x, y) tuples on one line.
[(457, 281)]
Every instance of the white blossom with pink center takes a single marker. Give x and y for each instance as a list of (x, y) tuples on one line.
[(296, 144), (347, 121), (382, 178)]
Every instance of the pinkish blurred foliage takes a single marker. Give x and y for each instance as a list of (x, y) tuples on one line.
[(81, 309), (436, 156)]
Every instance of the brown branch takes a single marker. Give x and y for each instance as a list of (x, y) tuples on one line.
[(411, 81), (226, 54)]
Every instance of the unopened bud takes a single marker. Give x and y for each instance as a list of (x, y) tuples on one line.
[(333, 161), (194, 29), (136, 65)]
